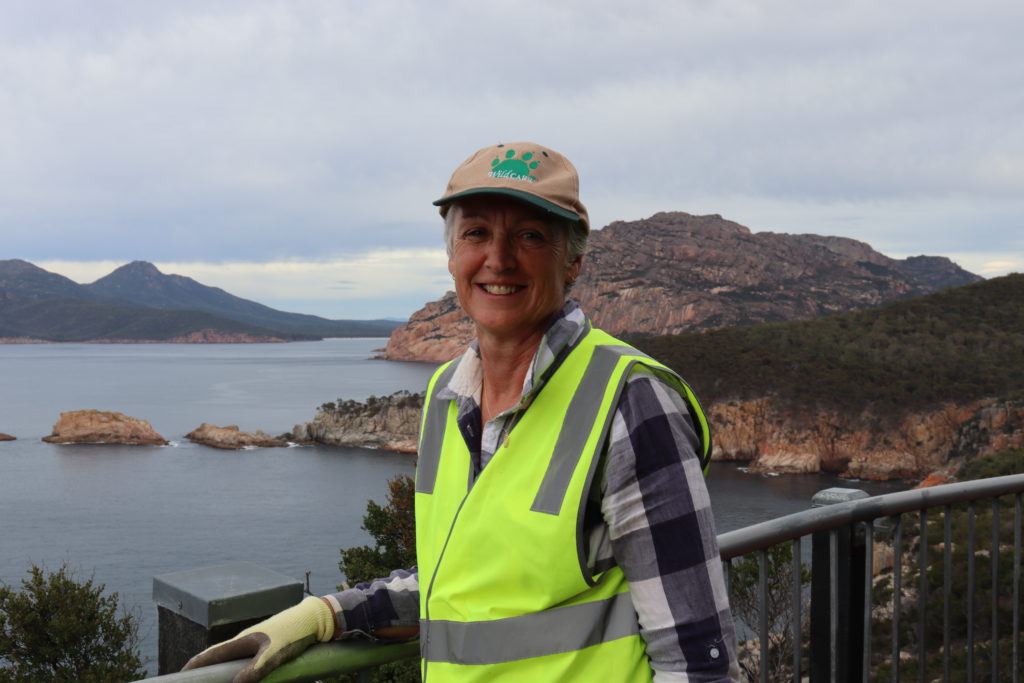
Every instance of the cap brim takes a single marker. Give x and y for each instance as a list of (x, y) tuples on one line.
[(517, 194)]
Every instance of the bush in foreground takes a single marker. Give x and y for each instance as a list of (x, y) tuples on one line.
[(393, 528), (59, 629)]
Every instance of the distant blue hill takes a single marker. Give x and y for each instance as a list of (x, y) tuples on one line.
[(138, 302)]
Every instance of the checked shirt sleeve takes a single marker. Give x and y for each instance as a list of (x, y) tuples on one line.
[(662, 535), (381, 603)]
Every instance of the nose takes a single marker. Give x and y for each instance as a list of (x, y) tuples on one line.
[(501, 255)]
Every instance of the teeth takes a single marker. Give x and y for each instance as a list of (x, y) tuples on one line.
[(500, 289)]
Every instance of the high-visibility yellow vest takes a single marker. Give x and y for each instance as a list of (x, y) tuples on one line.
[(505, 593)]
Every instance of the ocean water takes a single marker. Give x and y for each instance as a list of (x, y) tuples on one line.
[(124, 514)]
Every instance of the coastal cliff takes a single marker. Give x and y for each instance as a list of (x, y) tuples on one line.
[(389, 423), (861, 446), (436, 333), (758, 432), (675, 272)]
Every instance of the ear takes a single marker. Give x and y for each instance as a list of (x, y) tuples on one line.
[(573, 271), (451, 267)]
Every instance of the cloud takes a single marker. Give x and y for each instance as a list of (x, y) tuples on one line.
[(266, 132), (990, 264)]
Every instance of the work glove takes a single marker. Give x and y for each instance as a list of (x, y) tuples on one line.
[(273, 641)]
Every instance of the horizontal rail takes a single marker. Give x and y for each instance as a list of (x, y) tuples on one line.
[(765, 534), (318, 662)]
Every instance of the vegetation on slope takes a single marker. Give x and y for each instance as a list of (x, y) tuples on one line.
[(955, 345), (72, 320)]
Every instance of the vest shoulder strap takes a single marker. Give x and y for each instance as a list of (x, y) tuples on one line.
[(701, 425), (435, 416)]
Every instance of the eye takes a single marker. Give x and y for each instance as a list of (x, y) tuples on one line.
[(533, 235), (473, 232)]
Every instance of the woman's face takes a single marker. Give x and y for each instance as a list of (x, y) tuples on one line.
[(510, 267)]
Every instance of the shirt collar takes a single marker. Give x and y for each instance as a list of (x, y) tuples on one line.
[(564, 331)]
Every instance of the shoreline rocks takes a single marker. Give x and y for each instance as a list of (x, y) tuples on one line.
[(232, 438), (389, 423), (95, 426), (767, 437), (198, 337), (776, 440)]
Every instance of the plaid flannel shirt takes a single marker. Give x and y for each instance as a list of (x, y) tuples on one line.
[(650, 515)]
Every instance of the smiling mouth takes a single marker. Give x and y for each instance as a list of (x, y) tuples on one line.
[(502, 290)]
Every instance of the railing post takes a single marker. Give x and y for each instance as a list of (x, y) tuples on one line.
[(197, 608), (837, 596)]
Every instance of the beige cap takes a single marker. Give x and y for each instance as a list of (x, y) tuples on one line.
[(527, 171)]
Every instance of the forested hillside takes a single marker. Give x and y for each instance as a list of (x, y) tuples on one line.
[(952, 346)]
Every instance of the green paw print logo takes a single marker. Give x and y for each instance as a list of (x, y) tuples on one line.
[(510, 167)]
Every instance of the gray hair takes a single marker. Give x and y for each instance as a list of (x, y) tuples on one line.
[(573, 232)]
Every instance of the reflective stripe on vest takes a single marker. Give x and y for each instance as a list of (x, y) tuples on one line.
[(432, 431), (584, 408), (530, 635)]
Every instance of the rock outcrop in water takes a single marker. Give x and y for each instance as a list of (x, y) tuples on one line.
[(232, 438), (389, 423), (95, 426), (6, 437)]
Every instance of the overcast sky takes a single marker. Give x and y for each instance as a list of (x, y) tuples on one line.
[(288, 151)]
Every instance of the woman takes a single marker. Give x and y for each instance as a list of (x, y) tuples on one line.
[(563, 526)]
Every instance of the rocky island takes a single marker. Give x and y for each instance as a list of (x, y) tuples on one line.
[(96, 426), (231, 438), (6, 437)]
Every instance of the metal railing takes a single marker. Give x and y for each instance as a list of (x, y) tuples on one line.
[(318, 662), (851, 606), (848, 612)]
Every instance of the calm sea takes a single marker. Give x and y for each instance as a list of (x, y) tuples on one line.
[(124, 514)]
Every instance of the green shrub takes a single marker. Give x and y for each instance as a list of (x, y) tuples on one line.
[(59, 629), (997, 465), (745, 600), (393, 528)]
